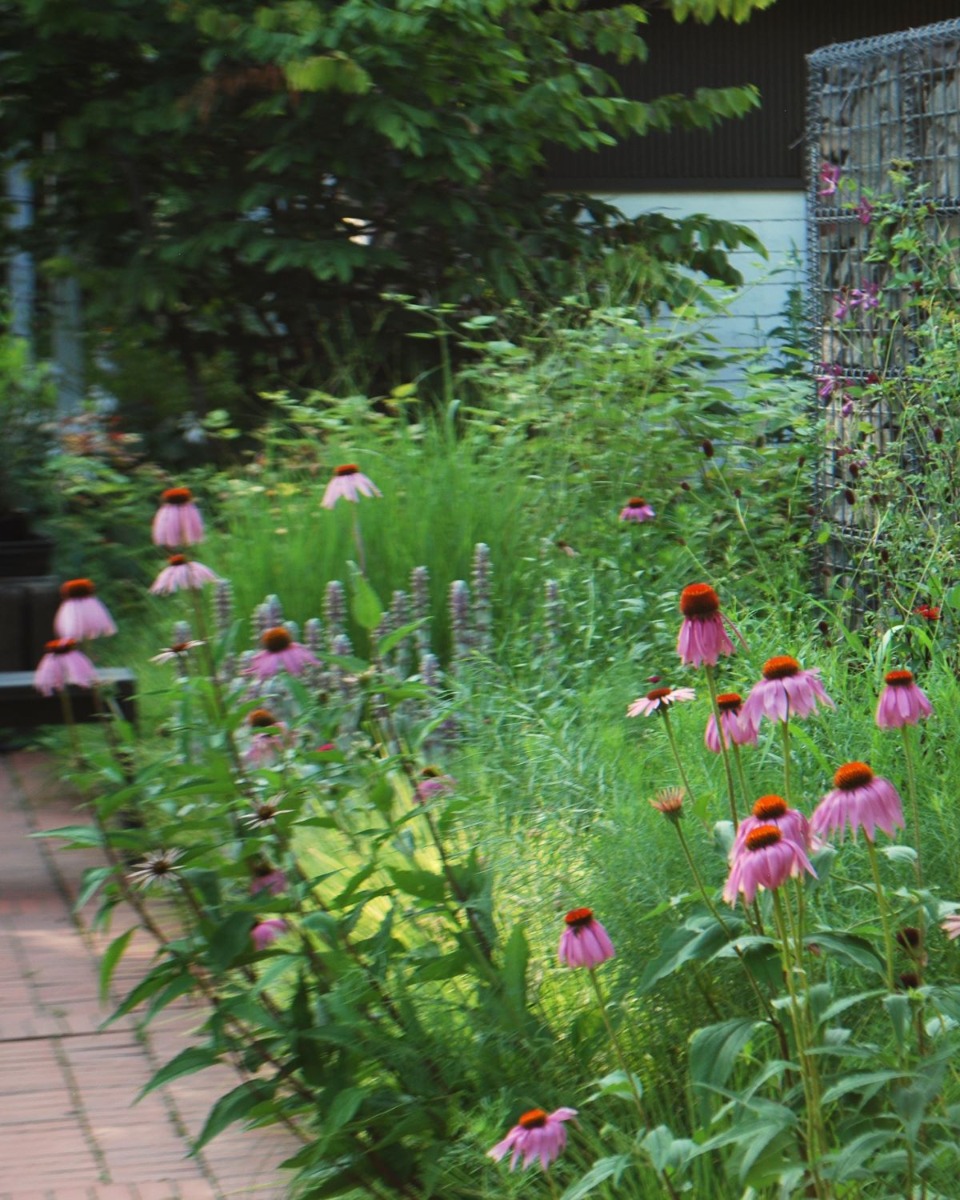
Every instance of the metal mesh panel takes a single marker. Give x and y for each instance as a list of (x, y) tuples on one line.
[(883, 117)]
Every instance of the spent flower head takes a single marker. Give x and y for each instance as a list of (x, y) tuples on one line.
[(659, 700), (158, 867)]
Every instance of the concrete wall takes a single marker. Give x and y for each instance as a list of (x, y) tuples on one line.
[(777, 218)]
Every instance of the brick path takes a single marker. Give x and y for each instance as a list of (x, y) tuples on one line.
[(69, 1129)]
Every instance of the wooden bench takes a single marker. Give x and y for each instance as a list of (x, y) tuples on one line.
[(22, 706)]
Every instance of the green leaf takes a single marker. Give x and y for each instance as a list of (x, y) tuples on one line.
[(365, 604), (602, 1170), (714, 1051), (424, 885), (898, 1009), (445, 966), (847, 945), (93, 879), (229, 940), (76, 835), (234, 1106), (114, 952), (617, 1083), (187, 1062), (516, 957), (693, 941)]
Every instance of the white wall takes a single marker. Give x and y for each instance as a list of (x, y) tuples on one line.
[(777, 218)]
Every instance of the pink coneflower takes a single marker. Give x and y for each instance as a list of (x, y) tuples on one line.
[(268, 879), (280, 653), (584, 942), (81, 614), (433, 783), (538, 1135), (702, 636), (178, 652), (177, 521), (951, 926), (63, 664), (735, 732), (348, 483), (182, 573), (159, 867), (860, 800), (786, 690), (638, 510), (659, 699), (768, 859), (829, 179), (773, 810), (901, 701), (270, 738), (264, 933)]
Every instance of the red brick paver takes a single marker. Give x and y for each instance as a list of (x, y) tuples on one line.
[(69, 1128)]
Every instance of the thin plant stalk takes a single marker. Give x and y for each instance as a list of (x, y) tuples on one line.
[(671, 736), (724, 751), (914, 803), (69, 719), (813, 1141), (884, 911), (618, 1049), (785, 734), (358, 539), (741, 775)]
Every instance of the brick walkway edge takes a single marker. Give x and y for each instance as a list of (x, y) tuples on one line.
[(69, 1128)]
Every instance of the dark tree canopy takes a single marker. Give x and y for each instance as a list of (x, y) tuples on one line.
[(235, 178)]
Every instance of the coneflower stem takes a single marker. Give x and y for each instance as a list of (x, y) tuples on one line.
[(552, 1185), (722, 738), (66, 706), (615, 1041), (358, 540), (740, 773), (912, 792), (676, 753), (785, 733), (884, 910)]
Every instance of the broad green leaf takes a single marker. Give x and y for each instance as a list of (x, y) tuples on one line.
[(516, 956), (691, 942), (234, 1106), (365, 604), (114, 952), (229, 940), (187, 1062), (714, 1051), (424, 885), (602, 1170), (847, 945)]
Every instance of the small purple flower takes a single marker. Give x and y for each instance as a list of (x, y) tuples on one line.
[(830, 380), (735, 732), (860, 800), (865, 297), (901, 701), (864, 211), (63, 664), (182, 573), (786, 690), (280, 653), (584, 942), (829, 178), (843, 304), (538, 1135), (348, 483), (637, 510), (81, 614), (768, 859), (177, 521), (265, 932)]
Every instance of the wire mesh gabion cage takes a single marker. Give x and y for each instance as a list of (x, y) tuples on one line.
[(883, 230)]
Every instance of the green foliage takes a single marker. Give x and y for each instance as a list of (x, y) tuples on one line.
[(27, 411), (238, 182)]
